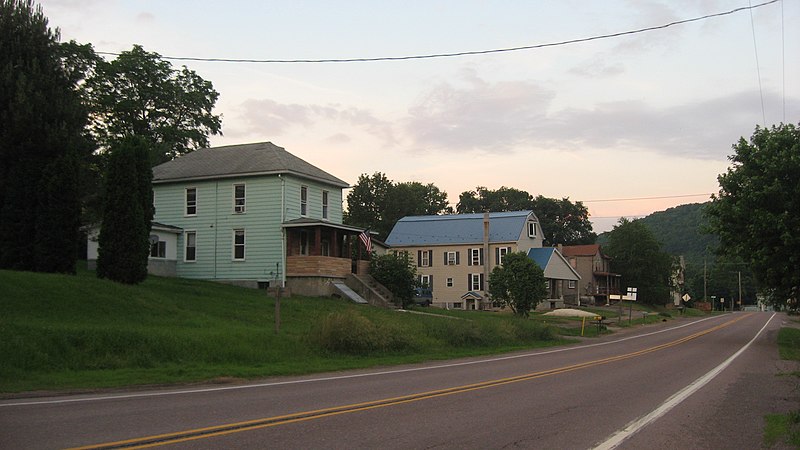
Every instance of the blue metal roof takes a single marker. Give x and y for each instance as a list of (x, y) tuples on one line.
[(458, 228), (541, 256)]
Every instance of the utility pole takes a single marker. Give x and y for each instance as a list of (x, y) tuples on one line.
[(740, 289), (705, 281)]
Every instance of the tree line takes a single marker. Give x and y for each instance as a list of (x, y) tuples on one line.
[(78, 139)]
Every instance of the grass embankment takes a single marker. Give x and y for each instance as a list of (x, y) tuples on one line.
[(67, 332), (785, 428)]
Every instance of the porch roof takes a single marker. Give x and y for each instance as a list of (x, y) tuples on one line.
[(305, 222)]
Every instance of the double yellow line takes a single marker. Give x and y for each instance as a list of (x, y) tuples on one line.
[(236, 427)]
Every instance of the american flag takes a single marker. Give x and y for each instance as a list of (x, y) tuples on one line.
[(364, 236)]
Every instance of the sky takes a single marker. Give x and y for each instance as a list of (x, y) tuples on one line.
[(628, 125)]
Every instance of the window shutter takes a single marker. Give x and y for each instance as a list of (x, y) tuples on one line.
[(419, 258), (445, 258), (458, 257), (430, 281), (481, 255), (469, 256), (469, 282), (497, 256), (430, 258), (482, 282)]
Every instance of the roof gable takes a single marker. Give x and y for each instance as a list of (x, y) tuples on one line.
[(263, 158), (458, 228)]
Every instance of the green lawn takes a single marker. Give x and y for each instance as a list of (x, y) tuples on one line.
[(785, 428), (68, 332)]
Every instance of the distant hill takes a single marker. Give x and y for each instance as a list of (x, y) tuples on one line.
[(680, 231)]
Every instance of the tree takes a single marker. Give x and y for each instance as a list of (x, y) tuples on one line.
[(396, 271), (756, 213), (140, 94), (378, 203), (503, 199), (519, 283), (42, 132), (123, 245), (562, 221), (637, 256)]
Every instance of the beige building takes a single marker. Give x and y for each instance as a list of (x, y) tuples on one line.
[(597, 280), (455, 254)]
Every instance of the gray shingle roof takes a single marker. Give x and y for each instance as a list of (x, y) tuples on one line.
[(262, 158), (457, 229)]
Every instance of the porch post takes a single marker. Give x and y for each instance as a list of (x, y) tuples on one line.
[(317, 242)]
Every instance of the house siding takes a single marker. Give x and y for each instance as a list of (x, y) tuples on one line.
[(442, 295), (216, 221)]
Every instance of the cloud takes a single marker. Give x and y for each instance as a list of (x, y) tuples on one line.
[(490, 117), (265, 117), (145, 17), (510, 116)]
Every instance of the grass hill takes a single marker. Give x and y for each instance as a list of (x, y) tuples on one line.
[(66, 332)]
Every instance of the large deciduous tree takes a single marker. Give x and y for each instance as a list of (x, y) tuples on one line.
[(519, 283), (141, 94), (757, 210), (41, 137), (637, 256), (562, 221), (377, 203), (123, 245)]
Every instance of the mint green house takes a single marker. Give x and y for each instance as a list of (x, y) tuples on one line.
[(254, 215)]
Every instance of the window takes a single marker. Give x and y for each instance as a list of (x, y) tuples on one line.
[(449, 282), (238, 198), (238, 245), (191, 201), (500, 253), (324, 204), (303, 200), (425, 281), (571, 284), (451, 258), (532, 229), (424, 258), (475, 281), (190, 242), (475, 256), (158, 249)]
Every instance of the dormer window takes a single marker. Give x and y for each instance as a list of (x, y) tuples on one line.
[(532, 229)]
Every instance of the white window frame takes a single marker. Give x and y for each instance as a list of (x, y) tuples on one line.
[(475, 256), (160, 248), (475, 280), (239, 203), (451, 258), (449, 281), (425, 281), (532, 229), (424, 259), (571, 284), (236, 233), (325, 205), (187, 204), (186, 247), (304, 201), (501, 253)]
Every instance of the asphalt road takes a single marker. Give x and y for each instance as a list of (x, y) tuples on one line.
[(681, 384)]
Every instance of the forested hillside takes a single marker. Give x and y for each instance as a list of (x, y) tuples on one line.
[(680, 230)]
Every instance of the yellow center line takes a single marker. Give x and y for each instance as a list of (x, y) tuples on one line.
[(236, 427)]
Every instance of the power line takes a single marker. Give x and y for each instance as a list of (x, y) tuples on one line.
[(645, 198), (465, 53)]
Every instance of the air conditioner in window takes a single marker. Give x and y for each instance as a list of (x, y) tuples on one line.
[(238, 208)]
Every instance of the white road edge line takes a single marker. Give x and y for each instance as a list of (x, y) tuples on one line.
[(632, 428), (338, 377)]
